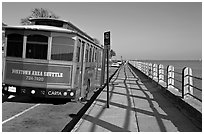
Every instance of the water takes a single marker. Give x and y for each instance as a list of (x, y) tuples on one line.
[(195, 65)]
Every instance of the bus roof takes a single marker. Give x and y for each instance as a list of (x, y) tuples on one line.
[(40, 27), (47, 19), (60, 23)]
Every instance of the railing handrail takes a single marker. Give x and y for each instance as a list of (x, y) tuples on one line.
[(194, 87), (177, 80), (178, 73), (195, 77), (151, 73)]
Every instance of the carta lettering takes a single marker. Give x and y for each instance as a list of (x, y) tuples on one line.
[(54, 93)]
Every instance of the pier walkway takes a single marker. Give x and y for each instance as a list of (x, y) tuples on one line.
[(136, 105)]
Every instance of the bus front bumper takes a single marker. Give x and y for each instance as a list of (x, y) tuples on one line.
[(39, 92)]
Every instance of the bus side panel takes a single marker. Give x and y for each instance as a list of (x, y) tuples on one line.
[(63, 74), (97, 76), (36, 75), (77, 81), (92, 76), (89, 75)]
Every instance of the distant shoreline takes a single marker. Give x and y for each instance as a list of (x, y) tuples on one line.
[(170, 60)]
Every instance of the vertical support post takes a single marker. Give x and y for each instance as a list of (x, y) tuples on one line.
[(24, 46), (171, 77), (107, 77), (152, 71), (103, 67), (187, 83), (167, 73), (158, 73), (155, 70), (107, 47), (4, 58), (183, 83), (161, 73)]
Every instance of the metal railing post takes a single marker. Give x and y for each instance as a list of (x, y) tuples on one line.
[(182, 88), (167, 73), (158, 73)]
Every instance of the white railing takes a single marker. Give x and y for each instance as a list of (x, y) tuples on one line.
[(167, 77)]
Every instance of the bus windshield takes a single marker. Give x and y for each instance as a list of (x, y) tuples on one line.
[(14, 45), (62, 48), (36, 47)]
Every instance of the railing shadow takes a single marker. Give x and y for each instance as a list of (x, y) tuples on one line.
[(146, 88), (96, 121)]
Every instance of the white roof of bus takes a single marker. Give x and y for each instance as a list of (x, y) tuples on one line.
[(41, 27)]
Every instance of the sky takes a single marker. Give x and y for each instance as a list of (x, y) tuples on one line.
[(139, 30)]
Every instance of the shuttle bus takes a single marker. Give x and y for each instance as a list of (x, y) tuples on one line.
[(50, 58)]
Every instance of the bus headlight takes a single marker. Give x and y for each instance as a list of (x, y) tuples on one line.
[(6, 88), (65, 93), (32, 91), (71, 94)]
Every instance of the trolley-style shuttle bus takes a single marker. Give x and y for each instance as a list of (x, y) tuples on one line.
[(51, 58)]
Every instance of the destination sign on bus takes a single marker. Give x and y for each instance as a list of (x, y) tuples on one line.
[(38, 72)]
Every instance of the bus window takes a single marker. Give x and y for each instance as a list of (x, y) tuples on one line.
[(86, 56), (93, 55), (14, 45), (90, 53), (62, 48), (36, 47), (78, 54), (96, 55)]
